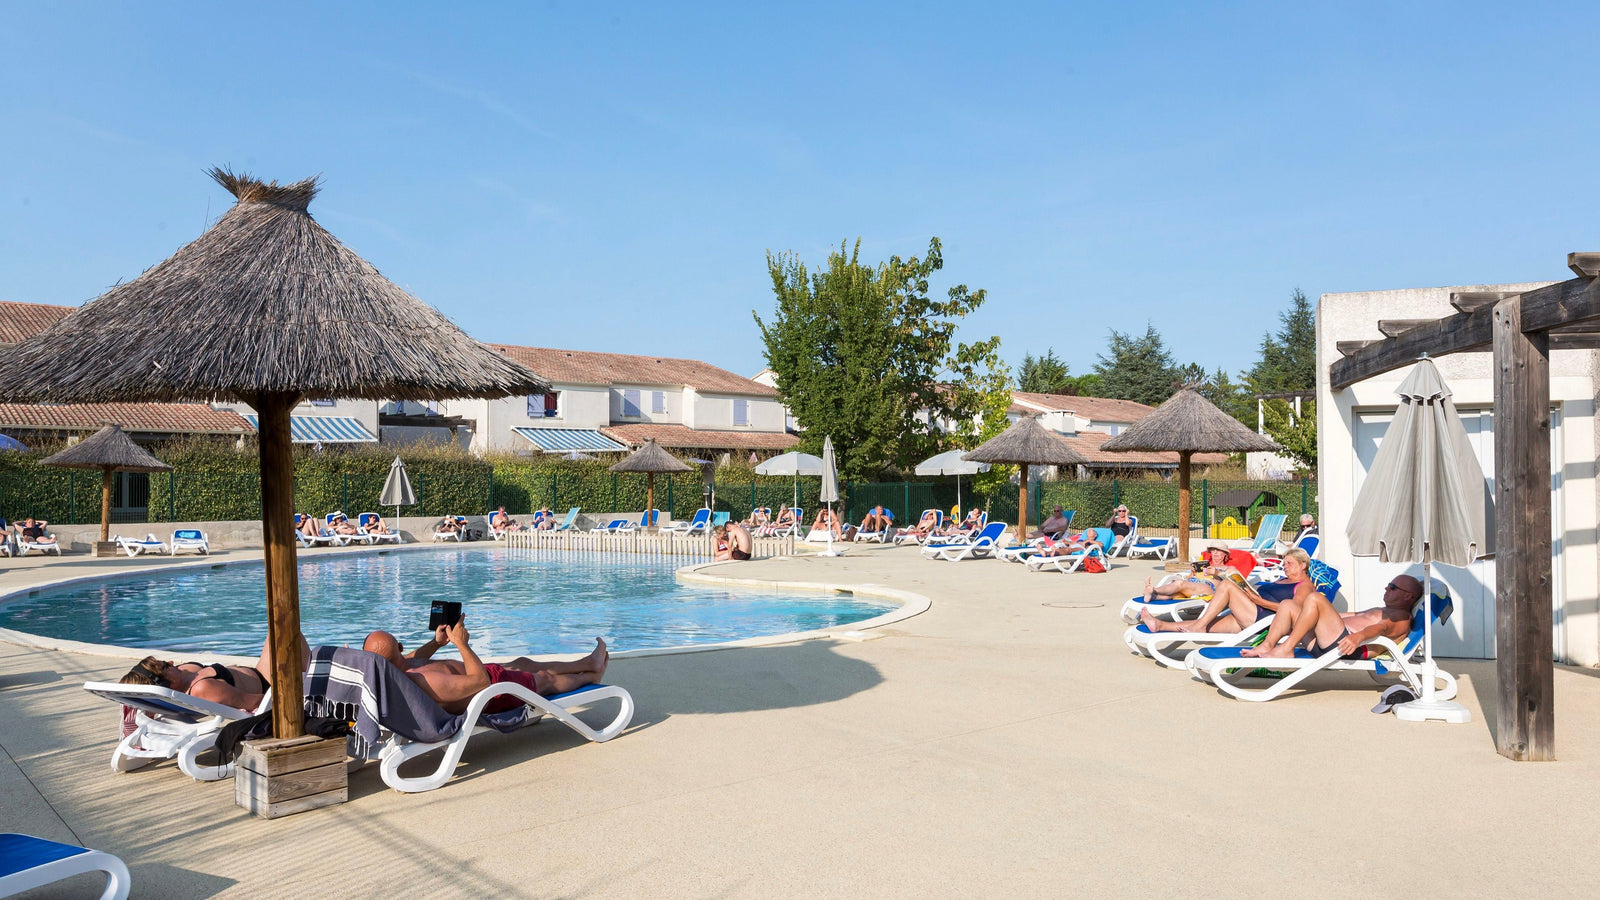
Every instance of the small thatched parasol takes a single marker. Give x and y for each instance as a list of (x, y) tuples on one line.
[(109, 450), (1188, 424), (1026, 443), (266, 308), (651, 459)]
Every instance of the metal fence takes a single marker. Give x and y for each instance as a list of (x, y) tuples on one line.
[(71, 497)]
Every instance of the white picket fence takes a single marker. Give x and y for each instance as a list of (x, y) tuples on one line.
[(643, 543)]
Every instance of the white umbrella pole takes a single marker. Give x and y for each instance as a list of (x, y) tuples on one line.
[(958, 493), (1429, 706)]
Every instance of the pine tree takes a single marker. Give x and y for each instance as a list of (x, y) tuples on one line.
[(1043, 374), (1288, 360), (1137, 368)]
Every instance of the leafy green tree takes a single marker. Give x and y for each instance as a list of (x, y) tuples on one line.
[(1085, 385), (1298, 435), (1044, 374), (1288, 358), (1137, 368), (862, 353)]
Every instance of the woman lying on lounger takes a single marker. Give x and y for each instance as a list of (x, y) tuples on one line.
[(1248, 604), (240, 687), (925, 525), (1203, 583)]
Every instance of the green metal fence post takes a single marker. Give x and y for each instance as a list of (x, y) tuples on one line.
[(345, 493), (752, 493), (669, 495), (172, 496), (1116, 493), (72, 497), (905, 511), (613, 492), (1305, 489), (555, 497)]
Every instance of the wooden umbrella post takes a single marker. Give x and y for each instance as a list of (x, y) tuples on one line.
[(105, 507), (1022, 506), (649, 500), (1183, 505), (283, 583)]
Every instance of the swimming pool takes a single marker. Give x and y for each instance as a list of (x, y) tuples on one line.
[(515, 602)]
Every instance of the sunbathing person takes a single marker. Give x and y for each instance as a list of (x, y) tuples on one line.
[(1057, 524), (240, 687), (785, 517), (925, 525), (1323, 628), (758, 518), (877, 519), (826, 521), (1120, 522), (33, 531), (1202, 583), (1069, 544), (969, 525), (1246, 605), (341, 525), (453, 683), (548, 520), (448, 526), (309, 526), (500, 522), (733, 542), (376, 525)]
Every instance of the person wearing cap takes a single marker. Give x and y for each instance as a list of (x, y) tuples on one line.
[(1056, 524), (341, 524), (1313, 619)]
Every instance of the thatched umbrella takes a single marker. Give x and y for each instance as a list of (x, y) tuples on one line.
[(109, 450), (1188, 424), (650, 459), (265, 308), (1026, 443)]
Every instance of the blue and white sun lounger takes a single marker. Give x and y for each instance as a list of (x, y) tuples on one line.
[(457, 535), (612, 527), (907, 536), (1072, 562), (52, 545), (190, 539), (1226, 668), (1120, 545), (171, 724), (981, 546), (700, 524), (324, 536), (1160, 548), (569, 522), (366, 520), (27, 862), (879, 536), (1267, 534), (1161, 645), (135, 546)]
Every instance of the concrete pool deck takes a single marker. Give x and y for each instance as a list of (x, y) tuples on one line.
[(1002, 741)]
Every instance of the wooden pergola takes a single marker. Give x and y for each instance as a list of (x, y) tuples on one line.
[(1522, 329)]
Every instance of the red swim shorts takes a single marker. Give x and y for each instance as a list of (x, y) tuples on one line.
[(499, 673)]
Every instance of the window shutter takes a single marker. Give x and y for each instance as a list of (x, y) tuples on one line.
[(658, 401), (630, 404), (741, 412)]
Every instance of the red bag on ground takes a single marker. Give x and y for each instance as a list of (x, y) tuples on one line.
[(1093, 564)]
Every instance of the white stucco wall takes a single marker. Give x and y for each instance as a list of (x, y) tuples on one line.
[(673, 396), (1343, 440), (714, 412)]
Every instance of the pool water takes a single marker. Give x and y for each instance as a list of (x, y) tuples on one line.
[(515, 602)]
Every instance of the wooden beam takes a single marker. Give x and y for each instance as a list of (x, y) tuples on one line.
[(1453, 334), (1183, 505), (1525, 725), (1566, 303), (1586, 265), (1351, 348), (1022, 507), (1471, 301), (1559, 341), (278, 544), (1397, 327)]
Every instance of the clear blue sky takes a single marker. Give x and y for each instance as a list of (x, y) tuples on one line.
[(609, 177)]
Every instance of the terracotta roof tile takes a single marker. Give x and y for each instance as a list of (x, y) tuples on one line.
[(585, 367), (20, 321), (1095, 409), (682, 436), (1088, 443), (196, 418)]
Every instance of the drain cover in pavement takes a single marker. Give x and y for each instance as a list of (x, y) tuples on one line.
[(1072, 604)]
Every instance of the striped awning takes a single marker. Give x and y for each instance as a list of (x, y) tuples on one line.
[(561, 440), (324, 430)]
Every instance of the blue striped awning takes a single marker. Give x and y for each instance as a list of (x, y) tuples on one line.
[(561, 440), (324, 430)]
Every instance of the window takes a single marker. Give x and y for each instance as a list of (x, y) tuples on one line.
[(543, 406), (630, 404), (741, 412), (658, 401)]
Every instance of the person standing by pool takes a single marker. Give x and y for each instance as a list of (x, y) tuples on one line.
[(453, 683)]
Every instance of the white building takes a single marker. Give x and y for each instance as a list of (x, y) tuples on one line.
[(1069, 414), (1351, 422), (608, 402)]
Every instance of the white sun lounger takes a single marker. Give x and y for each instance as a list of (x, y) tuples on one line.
[(171, 724), (373, 537), (1161, 645), (907, 536), (461, 526), (135, 546), (1267, 534), (1227, 669), (190, 539), (324, 536), (43, 546), (395, 750), (700, 524), (28, 862)]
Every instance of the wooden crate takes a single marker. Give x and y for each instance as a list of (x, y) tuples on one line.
[(276, 778), (106, 548)]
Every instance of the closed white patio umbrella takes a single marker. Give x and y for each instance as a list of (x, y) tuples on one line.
[(830, 488), (397, 490), (1423, 502)]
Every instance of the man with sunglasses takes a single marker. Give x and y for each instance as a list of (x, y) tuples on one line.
[(1315, 621)]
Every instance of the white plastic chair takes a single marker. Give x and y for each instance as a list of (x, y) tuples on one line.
[(28, 862)]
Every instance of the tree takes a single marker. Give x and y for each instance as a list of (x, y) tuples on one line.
[(1288, 359), (864, 354), (1297, 435), (1085, 385), (1044, 375), (1137, 368)]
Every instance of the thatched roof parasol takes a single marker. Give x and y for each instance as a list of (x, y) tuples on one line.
[(109, 450), (1188, 423), (651, 459), (265, 300), (268, 308), (1026, 443)]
